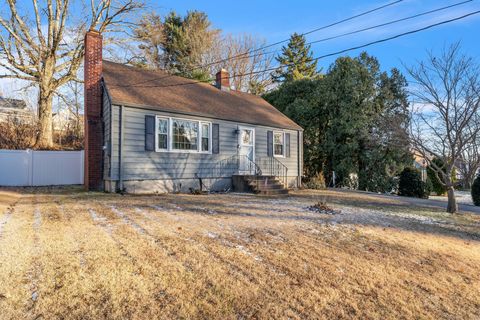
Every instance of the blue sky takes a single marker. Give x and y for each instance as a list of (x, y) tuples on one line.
[(276, 20)]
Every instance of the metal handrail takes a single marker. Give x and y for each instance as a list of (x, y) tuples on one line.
[(229, 166), (252, 167), (272, 166), (266, 166)]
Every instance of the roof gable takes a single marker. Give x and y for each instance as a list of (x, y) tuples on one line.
[(157, 90)]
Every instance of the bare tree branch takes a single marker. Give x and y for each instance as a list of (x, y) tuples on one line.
[(449, 127), (52, 58)]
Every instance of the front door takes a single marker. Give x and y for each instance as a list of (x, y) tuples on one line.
[(246, 146)]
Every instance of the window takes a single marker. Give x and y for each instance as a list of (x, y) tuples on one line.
[(162, 133), (278, 144), (247, 137), (183, 135), (205, 137)]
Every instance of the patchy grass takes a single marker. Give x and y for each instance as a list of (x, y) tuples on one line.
[(74, 255)]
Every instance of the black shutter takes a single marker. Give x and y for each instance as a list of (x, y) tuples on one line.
[(270, 143), (149, 133), (215, 138), (287, 145)]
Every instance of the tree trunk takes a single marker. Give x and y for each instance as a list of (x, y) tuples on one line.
[(452, 206), (45, 133)]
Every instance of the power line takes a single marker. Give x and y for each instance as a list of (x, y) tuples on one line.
[(372, 27), (285, 40), (314, 30), (326, 55), (391, 22)]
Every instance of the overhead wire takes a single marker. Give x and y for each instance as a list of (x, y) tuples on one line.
[(325, 55)]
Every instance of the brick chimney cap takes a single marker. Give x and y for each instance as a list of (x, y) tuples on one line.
[(93, 31)]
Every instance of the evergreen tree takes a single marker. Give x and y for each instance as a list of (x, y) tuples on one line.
[(355, 121), (177, 44), (437, 185), (296, 61)]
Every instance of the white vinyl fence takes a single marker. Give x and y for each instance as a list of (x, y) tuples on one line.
[(40, 168)]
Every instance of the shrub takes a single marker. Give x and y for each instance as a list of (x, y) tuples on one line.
[(437, 186), (17, 134), (476, 191), (316, 182), (411, 184)]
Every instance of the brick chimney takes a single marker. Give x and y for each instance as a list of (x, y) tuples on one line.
[(223, 80), (93, 111)]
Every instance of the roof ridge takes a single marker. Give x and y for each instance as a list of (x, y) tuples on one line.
[(164, 72)]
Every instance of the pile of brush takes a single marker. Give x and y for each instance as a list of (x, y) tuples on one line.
[(323, 207)]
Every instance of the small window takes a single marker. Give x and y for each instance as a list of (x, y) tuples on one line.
[(185, 135), (247, 137), (205, 137), (278, 144), (162, 131)]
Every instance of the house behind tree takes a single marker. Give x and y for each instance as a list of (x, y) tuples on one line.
[(17, 109)]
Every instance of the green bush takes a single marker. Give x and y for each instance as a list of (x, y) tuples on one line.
[(437, 186), (411, 185), (476, 191)]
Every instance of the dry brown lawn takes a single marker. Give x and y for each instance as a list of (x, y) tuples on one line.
[(66, 254)]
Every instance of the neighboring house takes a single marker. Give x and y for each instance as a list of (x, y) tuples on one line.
[(14, 109), (420, 164), (147, 132)]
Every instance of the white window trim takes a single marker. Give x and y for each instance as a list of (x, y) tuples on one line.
[(170, 136), (157, 149), (273, 145)]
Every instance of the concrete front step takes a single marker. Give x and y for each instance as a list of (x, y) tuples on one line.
[(266, 186), (262, 185), (273, 192)]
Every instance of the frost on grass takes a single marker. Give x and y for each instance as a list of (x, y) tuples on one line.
[(100, 220), (128, 221), (4, 219), (257, 257)]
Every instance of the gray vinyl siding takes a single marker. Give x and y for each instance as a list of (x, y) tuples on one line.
[(139, 164), (107, 124), (115, 142)]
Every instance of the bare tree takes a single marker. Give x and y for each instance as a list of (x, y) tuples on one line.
[(45, 45), (72, 98), (446, 121), (247, 60), (469, 163)]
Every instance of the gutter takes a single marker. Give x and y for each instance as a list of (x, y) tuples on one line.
[(201, 115)]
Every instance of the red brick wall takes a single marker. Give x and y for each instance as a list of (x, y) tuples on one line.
[(223, 80), (93, 111)]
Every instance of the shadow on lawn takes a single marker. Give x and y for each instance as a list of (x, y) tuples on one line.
[(372, 210)]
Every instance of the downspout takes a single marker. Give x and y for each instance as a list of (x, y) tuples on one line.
[(120, 152), (298, 158)]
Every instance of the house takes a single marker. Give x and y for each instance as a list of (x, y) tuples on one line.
[(148, 131), (14, 109), (420, 163)]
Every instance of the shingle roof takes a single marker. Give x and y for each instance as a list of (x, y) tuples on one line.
[(157, 90)]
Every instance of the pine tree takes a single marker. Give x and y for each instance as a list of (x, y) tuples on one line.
[(296, 61)]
